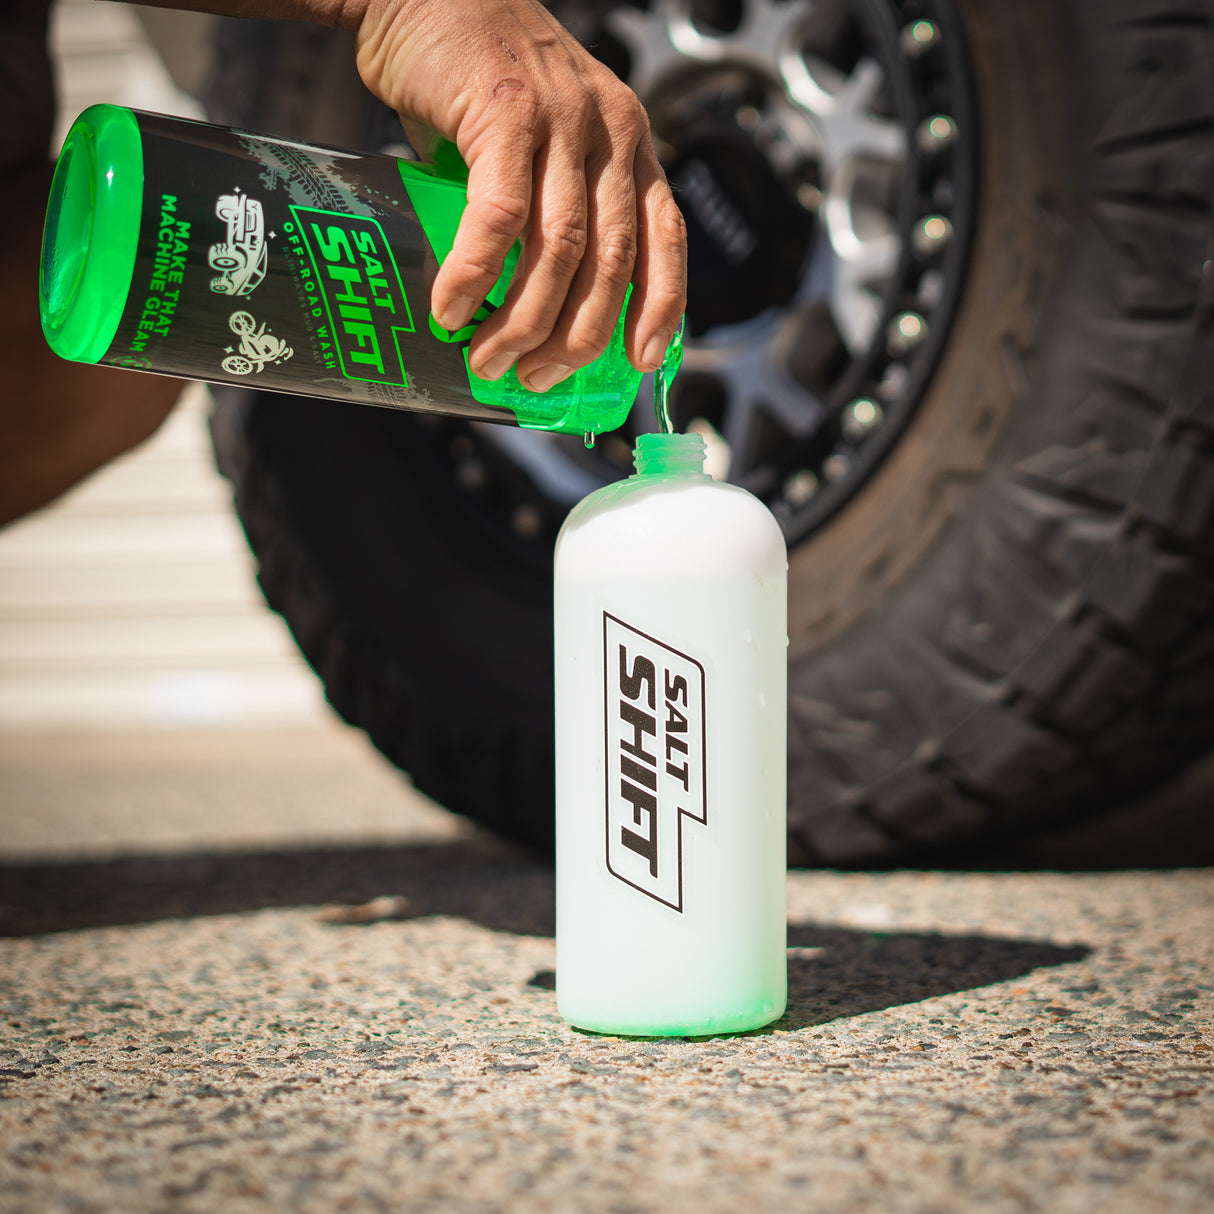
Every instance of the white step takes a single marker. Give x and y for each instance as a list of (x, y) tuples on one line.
[(268, 696), (132, 601)]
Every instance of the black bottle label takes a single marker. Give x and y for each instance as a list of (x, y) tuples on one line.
[(286, 266), (654, 758)]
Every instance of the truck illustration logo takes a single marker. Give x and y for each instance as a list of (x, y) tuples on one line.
[(257, 347), (240, 259), (654, 720)]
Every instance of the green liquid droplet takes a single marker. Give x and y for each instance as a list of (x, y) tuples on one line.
[(663, 377), (588, 439)]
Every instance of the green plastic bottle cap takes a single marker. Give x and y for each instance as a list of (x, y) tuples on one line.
[(92, 233)]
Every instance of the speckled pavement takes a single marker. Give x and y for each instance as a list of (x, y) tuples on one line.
[(259, 974)]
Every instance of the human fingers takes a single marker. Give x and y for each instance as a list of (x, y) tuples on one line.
[(596, 295), (554, 243), (659, 295), (499, 204)]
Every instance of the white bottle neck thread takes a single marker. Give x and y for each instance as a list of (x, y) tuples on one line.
[(666, 453)]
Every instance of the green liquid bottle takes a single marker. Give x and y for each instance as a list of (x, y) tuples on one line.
[(209, 253)]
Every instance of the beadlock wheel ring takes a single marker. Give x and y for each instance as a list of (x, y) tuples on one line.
[(818, 304)]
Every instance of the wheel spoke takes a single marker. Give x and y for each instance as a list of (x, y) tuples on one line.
[(666, 34), (854, 276), (751, 364), (792, 140)]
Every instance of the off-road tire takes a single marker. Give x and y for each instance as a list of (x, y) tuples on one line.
[(1009, 626)]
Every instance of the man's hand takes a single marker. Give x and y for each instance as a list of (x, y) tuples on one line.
[(558, 152)]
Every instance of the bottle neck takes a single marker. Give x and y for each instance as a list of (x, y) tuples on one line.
[(663, 454)]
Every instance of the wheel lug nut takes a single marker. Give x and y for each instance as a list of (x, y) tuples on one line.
[(800, 487), (918, 37), (809, 196), (894, 381), (931, 234), (526, 521), (835, 467), (905, 332), (861, 417), (935, 134)]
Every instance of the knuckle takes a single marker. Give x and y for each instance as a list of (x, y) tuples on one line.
[(617, 254), (588, 340), (530, 321), (504, 214), (623, 105), (565, 242), (671, 305), (670, 228), (632, 112), (469, 275), (578, 109), (525, 334)]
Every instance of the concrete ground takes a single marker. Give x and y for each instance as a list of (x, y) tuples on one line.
[(255, 972)]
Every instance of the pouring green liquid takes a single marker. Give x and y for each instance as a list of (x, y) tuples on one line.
[(662, 379)]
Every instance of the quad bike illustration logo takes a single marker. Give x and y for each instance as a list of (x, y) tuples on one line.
[(240, 259), (257, 347)]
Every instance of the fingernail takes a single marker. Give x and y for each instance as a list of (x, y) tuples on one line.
[(655, 349), (457, 313), (498, 365), (543, 378)]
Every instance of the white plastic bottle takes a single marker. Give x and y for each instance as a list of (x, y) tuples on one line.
[(671, 743)]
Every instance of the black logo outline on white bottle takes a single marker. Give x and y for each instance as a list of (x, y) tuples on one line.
[(654, 718)]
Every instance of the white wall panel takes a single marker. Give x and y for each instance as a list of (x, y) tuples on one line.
[(132, 602)]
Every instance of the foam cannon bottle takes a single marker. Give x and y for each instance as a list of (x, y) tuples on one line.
[(209, 253), (671, 674)]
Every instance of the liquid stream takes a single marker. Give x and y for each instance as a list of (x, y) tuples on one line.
[(663, 378)]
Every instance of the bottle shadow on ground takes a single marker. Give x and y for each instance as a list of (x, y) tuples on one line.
[(481, 879), (834, 972)]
